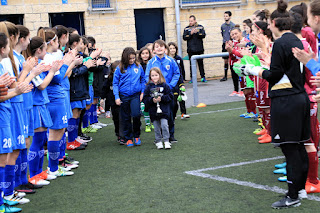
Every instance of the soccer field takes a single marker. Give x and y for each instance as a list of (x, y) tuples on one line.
[(217, 166)]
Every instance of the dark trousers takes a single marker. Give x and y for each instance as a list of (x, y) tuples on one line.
[(297, 167), (130, 109), (171, 119), (182, 105), (235, 79), (115, 109), (200, 64)]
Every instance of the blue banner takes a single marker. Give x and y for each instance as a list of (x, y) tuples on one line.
[(4, 2), (64, 1)]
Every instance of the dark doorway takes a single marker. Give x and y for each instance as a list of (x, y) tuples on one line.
[(74, 20), (149, 26), (14, 18)]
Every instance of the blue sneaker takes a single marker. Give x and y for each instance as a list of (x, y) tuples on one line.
[(204, 80), (9, 209), (281, 165), (130, 143), (10, 203), (190, 82), (243, 115), (250, 115), (282, 179), (280, 171), (137, 141)]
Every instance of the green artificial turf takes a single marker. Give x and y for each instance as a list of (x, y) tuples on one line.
[(114, 178)]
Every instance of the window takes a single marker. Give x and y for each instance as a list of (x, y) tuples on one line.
[(14, 18), (208, 3), (74, 20), (102, 6)]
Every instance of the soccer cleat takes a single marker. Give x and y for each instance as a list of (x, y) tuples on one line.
[(20, 194), (108, 114), (70, 160), (240, 94), (190, 82), (262, 132), (31, 186), (266, 139), (243, 115), (9, 209), (148, 129), (137, 141), (152, 126), (101, 109), (159, 145), (281, 165), (25, 189), (45, 176), (183, 116), (167, 145), (262, 136), (38, 181), (15, 197), (257, 130), (101, 124), (10, 203), (75, 146), (280, 171), (173, 140), (129, 143), (60, 173), (89, 129), (286, 202), (234, 93), (283, 179), (312, 188), (303, 194), (68, 165), (98, 112), (85, 138), (204, 80), (95, 126), (122, 141), (250, 115)]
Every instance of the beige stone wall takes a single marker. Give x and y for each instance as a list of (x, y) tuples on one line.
[(115, 31)]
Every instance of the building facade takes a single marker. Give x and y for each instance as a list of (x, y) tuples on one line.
[(115, 23)]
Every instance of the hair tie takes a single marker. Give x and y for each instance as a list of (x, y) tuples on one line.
[(258, 26), (55, 36)]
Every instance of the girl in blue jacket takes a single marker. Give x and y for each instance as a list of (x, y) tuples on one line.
[(158, 95), (128, 88)]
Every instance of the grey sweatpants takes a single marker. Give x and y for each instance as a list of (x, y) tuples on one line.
[(161, 126)]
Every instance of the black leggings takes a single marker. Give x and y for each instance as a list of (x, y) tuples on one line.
[(297, 167), (235, 79)]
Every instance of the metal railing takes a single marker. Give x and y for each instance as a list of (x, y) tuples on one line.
[(184, 4), (102, 6), (193, 62)]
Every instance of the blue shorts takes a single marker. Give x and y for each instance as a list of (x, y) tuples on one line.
[(42, 117), (28, 121), (67, 103), (5, 140), (78, 104), (90, 100), (58, 114), (17, 126)]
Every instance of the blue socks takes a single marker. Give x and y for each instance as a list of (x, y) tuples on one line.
[(54, 152), (1, 183), (62, 146), (24, 166), (85, 121), (94, 114), (35, 152), (72, 130), (17, 172), (8, 184)]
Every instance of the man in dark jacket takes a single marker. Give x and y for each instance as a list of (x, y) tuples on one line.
[(194, 35)]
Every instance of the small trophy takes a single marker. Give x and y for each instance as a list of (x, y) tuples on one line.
[(156, 95)]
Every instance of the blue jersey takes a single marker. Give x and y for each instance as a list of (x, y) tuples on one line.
[(40, 97), (5, 108), (130, 82), (27, 97), (168, 67), (8, 67)]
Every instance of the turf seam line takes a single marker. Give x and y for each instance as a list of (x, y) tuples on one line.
[(199, 173), (221, 110)]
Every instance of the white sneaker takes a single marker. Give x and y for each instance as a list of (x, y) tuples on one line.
[(60, 173), (84, 142), (167, 145), (101, 124), (20, 194), (95, 126), (16, 198), (303, 194), (39, 182), (183, 116), (51, 177), (159, 145), (72, 166)]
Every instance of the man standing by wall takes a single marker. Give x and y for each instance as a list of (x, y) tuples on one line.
[(194, 35), (225, 32)]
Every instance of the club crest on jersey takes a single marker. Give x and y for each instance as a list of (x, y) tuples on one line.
[(136, 70), (161, 89), (168, 67)]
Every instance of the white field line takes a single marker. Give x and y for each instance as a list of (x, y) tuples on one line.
[(222, 110), (199, 173)]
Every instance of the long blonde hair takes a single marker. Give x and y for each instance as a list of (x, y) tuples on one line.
[(161, 77)]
